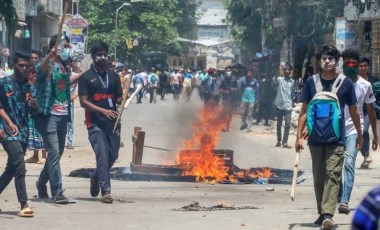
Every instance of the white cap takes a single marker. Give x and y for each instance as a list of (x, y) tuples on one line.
[(129, 71)]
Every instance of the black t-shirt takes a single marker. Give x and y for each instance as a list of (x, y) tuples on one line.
[(346, 95), (102, 93), (163, 78)]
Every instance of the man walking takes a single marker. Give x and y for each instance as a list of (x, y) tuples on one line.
[(284, 103), (364, 95), (326, 144), (153, 82), (99, 91), (53, 114), (250, 89), (364, 72), (14, 109)]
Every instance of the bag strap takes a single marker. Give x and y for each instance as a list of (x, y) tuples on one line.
[(317, 83), (337, 83), (335, 87)]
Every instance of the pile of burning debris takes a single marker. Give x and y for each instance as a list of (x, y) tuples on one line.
[(198, 160)]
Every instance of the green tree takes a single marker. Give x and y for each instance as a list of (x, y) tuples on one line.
[(8, 12), (154, 23), (305, 24)]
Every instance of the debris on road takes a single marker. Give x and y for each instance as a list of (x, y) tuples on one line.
[(195, 206)]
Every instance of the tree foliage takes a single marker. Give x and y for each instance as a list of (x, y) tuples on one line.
[(305, 24), (154, 23), (8, 12)]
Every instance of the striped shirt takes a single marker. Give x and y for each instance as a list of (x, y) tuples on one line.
[(14, 98), (368, 213)]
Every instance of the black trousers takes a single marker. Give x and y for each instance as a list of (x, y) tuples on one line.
[(15, 168)]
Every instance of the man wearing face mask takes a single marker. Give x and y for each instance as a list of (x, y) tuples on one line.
[(99, 92), (365, 96), (53, 113), (230, 89)]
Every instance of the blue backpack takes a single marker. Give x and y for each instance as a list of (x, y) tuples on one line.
[(324, 117), (153, 78)]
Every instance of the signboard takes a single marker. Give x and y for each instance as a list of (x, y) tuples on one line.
[(345, 33), (77, 22), (77, 47), (20, 9)]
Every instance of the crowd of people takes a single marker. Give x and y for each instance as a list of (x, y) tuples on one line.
[(36, 112)]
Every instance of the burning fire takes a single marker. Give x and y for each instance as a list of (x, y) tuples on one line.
[(197, 156), (199, 160), (261, 173)]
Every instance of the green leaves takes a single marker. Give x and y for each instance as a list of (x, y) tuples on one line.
[(155, 23), (9, 12)]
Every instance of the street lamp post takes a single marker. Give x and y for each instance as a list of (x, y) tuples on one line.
[(116, 15)]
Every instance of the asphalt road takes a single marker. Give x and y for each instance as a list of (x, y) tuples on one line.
[(150, 205)]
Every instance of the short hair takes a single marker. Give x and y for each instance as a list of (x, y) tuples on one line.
[(328, 50), (365, 59), (351, 53), (97, 46), (288, 66), (20, 55), (33, 51), (53, 40)]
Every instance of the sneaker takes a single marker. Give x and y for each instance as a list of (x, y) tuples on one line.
[(42, 191), (107, 198), (60, 199), (343, 208), (278, 144), (328, 222), (318, 222), (244, 126), (94, 188)]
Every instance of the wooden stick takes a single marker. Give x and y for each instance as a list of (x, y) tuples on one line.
[(162, 149), (125, 97), (295, 173), (59, 35), (132, 96)]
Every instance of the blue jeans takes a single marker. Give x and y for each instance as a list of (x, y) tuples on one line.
[(349, 167), (70, 126), (106, 147), (366, 139), (53, 130)]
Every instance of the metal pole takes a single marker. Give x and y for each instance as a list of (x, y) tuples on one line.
[(116, 15)]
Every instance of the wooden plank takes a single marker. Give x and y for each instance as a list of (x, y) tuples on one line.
[(139, 148), (157, 169), (134, 141)]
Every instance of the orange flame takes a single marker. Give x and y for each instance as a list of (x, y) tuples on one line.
[(201, 162), (261, 173)]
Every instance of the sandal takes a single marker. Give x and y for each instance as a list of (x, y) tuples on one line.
[(41, 162), (26, 212), (285, 145), (31, 160)]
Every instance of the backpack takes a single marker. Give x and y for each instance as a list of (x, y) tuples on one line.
[(153, 78), (323, 116)]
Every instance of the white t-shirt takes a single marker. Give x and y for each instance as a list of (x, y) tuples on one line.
[(364, 94)]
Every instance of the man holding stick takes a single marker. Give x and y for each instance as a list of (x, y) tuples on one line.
[(99, 92), (53, 113), (327, 154)]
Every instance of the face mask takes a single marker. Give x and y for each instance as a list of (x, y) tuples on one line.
[(228, 74), (350, 72), (64, 54)]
